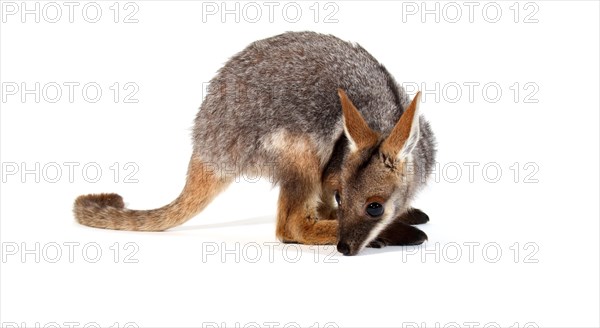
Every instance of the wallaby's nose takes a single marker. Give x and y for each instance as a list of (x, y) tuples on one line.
[(343, 248)]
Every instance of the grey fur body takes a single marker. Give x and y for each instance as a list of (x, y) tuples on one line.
[(288, 83)]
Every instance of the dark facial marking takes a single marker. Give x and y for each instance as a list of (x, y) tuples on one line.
[(367, 157)]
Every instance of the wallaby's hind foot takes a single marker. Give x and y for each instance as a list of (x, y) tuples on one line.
[(108, 210), (312, 232), (315, 232), (399, 234), (414, 216)]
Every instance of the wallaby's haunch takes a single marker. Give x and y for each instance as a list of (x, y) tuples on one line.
[(343, 140)]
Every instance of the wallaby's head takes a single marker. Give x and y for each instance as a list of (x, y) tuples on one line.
[(377, 178)]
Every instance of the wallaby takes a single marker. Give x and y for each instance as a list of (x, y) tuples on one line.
[(345, 144)]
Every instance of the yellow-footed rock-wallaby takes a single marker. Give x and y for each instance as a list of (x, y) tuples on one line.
[(347, 147)]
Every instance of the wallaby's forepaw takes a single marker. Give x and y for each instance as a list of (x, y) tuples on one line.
[(414, 216), (399, 234), (101, 200)]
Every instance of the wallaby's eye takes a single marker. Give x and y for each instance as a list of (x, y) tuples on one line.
[(337, 198), (375, 210)]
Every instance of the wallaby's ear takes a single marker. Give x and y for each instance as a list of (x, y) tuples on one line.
[(356, 128), (403, 139)]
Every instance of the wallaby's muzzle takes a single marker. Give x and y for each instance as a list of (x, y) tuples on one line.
[(353, 235), (343, 248)]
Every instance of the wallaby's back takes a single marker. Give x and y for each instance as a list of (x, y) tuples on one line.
[(286, 87)]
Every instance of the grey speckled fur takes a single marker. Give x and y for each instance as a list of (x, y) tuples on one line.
[(289, 82)]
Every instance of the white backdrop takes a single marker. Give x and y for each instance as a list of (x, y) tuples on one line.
[(511, 90)]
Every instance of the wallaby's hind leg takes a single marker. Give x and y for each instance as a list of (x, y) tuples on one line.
[(107, 211), (299, 173), (299, 218), (413, 217)]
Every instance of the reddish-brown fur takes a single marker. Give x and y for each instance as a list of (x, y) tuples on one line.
[(107, 210)]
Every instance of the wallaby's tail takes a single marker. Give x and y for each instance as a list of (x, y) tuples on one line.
[(108, 211)]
